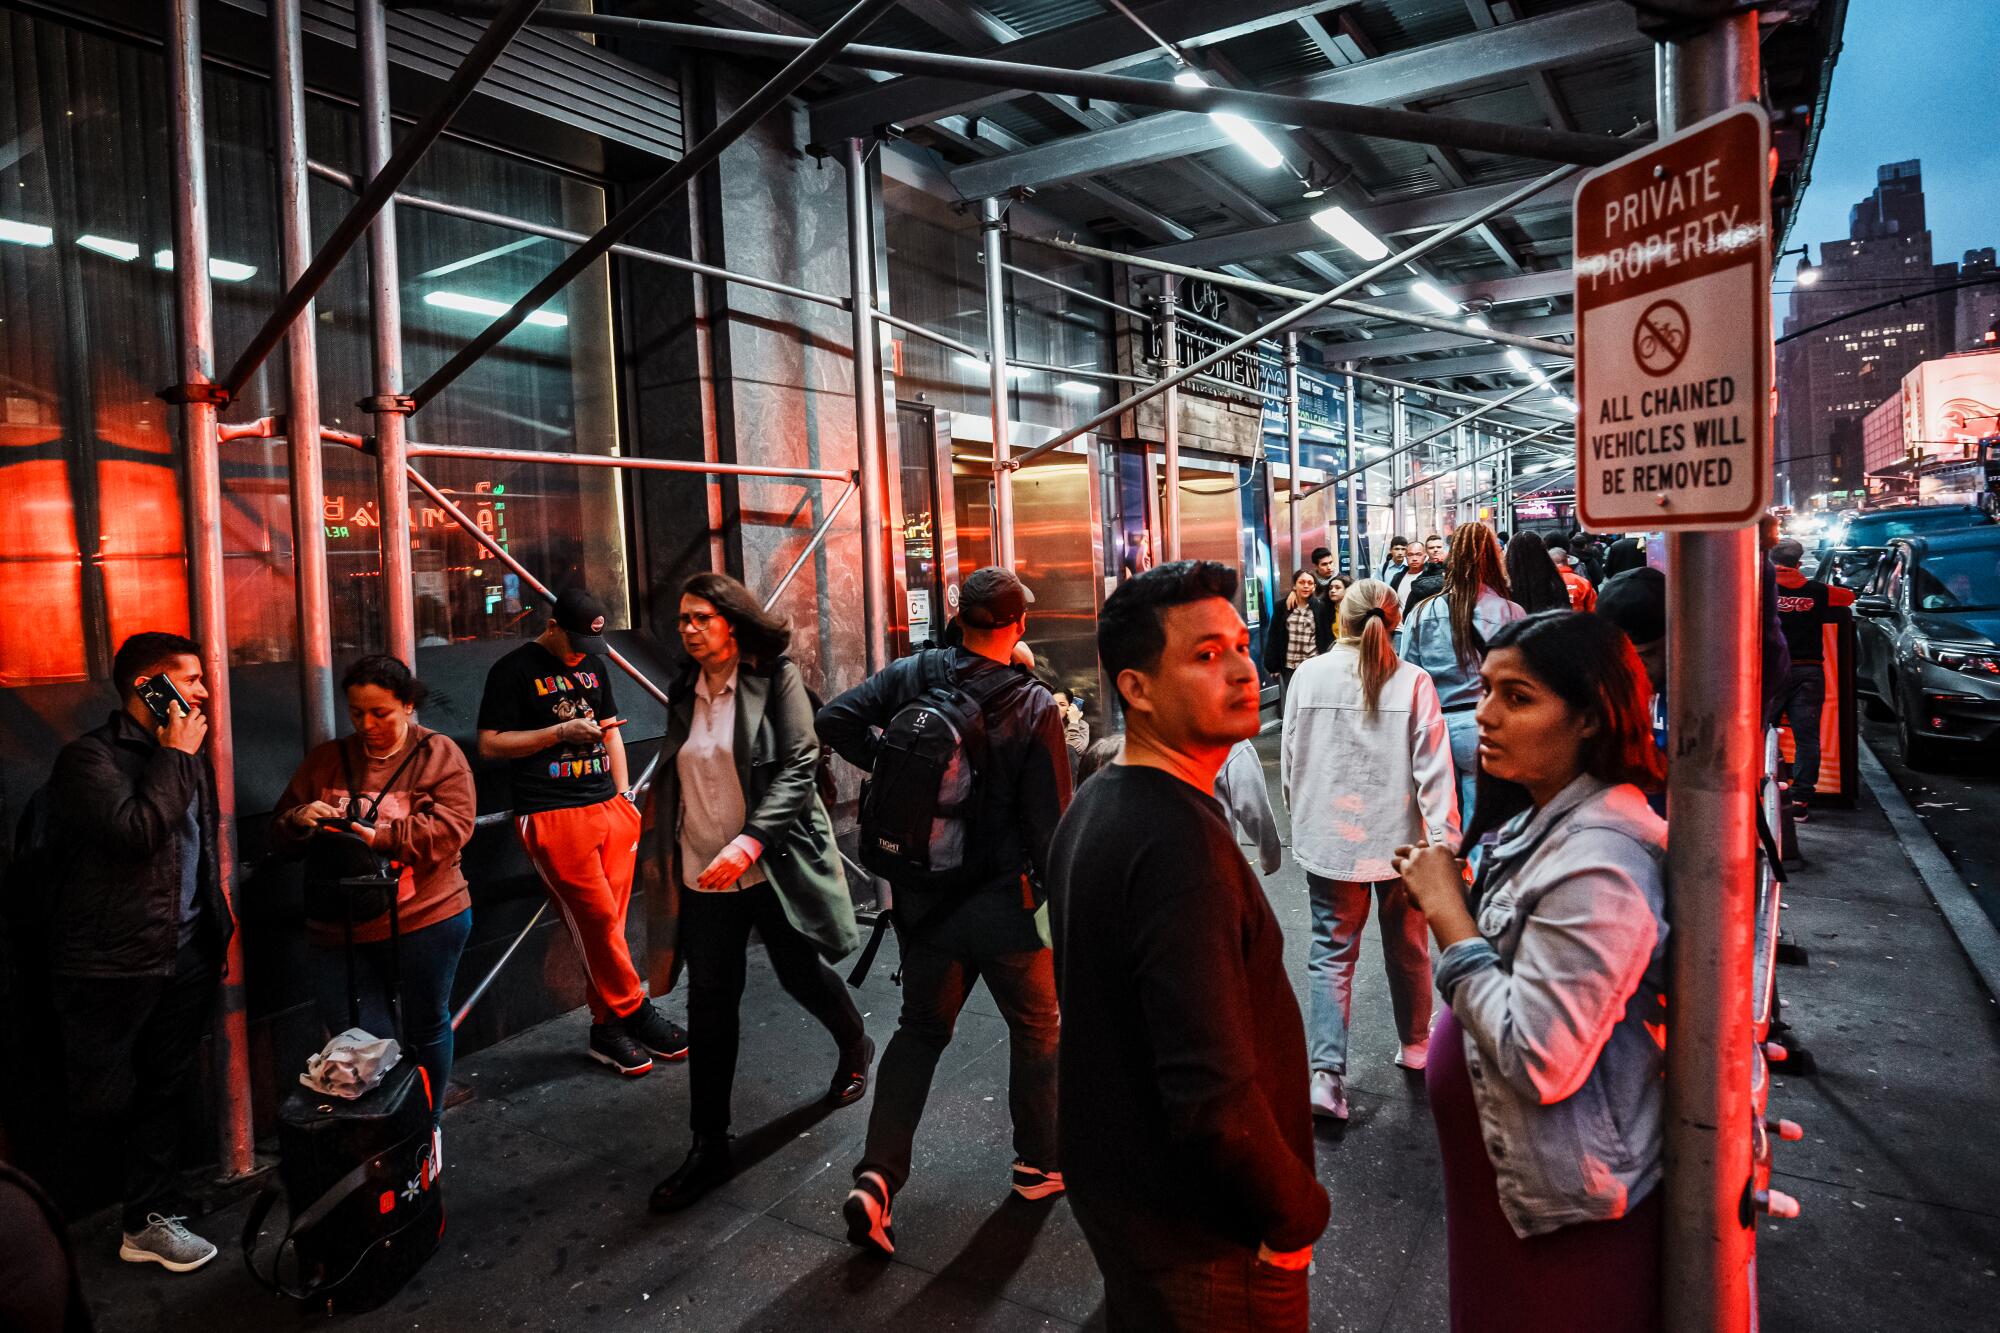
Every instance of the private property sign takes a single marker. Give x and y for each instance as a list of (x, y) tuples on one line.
[(1673, 307)]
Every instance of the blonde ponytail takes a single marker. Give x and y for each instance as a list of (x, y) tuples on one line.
[(1368, 613)]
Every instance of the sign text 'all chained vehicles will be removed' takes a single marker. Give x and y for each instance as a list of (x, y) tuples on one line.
[(1673, 304)]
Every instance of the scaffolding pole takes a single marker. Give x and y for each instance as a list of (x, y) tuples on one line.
[(312, 597), (385, 307), (808, 62), (197, 396), (1284, 321), (1709, 1249), (1170, 436), (1353, 502), (1292, 496), (1400, 445), (1503, 450), (990, 227), (458, 89), (868, 407)]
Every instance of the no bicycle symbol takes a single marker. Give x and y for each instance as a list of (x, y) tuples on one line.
[(1660, 338)]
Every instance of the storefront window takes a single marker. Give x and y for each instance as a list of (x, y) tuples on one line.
[(91, 481)]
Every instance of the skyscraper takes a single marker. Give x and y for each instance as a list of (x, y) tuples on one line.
[(1830, 379)]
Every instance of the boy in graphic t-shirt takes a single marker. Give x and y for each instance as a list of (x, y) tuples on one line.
[(548, 708)]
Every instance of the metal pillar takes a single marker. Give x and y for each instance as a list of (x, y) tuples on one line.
[(308, 488), (385, 304), (207, 591), (1353, 484), (868, 406), (1712, 689), (1292, 446), (990, 226), (1401, 465), (1170, 439)]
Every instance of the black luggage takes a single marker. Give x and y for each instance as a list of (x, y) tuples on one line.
[(359, 1177)]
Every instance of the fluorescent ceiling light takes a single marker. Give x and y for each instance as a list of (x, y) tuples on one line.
[(1344, 227), (25, 233), (1432, 297), (1535, 374), (1519, 361), (123, 251), (479, 305), (1477, 322), (222, 270), (1079, 387), (1565, 402), (977, 363), (1247, 136)]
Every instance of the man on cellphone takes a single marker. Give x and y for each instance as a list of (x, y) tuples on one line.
[(1185, 1123), (549, 708), (137, 929)]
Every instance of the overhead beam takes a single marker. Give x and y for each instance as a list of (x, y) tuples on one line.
[(1500, 291), (1461, 367), (1390, 218), (1417, 344), (1497, 55), (1109, 42)]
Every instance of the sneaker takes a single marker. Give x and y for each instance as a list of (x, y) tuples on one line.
[(167, 1243), (1031, 1182), (612, 1044), (867, 1214), (1414, 1057), (656, 1032), (1329, 1096)]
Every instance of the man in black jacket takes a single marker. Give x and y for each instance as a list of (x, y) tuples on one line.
[(138, 926), (1186, 1129), (997, 928)]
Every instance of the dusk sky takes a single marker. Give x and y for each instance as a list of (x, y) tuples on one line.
[(1916, 78)]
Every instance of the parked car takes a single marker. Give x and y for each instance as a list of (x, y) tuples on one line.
[(1927, 630), (1849, 552)]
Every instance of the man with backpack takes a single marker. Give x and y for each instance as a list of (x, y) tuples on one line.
[(137, 929), (968, 779)]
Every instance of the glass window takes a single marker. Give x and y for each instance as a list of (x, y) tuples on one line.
[(91, 483)]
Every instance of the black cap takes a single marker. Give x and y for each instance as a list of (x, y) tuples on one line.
[(582, 617), (1636, 602), (992, 597)]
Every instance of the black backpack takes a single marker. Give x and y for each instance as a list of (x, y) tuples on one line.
[(918, 803)]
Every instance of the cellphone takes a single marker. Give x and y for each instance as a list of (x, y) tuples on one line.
[(161, 696)]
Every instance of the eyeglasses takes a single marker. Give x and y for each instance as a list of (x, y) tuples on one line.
[(696, 619)]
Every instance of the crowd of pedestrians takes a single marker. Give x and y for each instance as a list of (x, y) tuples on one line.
[(1472, 745)]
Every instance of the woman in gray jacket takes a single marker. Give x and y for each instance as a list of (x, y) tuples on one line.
[(1547, 1072), (745, 843)]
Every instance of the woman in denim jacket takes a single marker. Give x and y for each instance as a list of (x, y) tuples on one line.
[(1546, 1073)]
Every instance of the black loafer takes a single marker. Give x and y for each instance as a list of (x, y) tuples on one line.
[(707, 1165), (850, 1081)]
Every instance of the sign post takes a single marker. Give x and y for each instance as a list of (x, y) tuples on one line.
[(1673, 310)]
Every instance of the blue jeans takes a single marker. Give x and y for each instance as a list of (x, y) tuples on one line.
[(1339, 911), (1464, 733), (429, 964)]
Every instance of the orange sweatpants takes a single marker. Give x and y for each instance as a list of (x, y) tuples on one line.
[(586, 855)]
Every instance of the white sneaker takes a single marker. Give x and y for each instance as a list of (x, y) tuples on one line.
[(1414, 1057), (1329, 1095), (167, 1243)]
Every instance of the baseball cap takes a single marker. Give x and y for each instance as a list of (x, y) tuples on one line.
[(992, 597), (582, 618), (1636, 602)]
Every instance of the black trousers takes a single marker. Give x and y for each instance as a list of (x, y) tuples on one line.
[(715, 940), (1234, 1294), (129, 1060)]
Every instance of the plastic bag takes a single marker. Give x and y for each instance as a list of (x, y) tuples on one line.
[(351, 1064)]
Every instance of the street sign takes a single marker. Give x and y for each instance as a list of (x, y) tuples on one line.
[(1673, 315)]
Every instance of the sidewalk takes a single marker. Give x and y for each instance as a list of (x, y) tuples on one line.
[(547, 1171)]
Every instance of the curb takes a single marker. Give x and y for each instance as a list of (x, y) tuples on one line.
[(1974, 930)]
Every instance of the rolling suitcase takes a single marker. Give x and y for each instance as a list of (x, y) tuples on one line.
[(359, 1178)]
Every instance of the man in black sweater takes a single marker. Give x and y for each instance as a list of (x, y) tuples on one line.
[(1185, 1125), (995, 928)]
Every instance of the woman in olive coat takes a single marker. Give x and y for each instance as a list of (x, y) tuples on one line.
[(746, 843)]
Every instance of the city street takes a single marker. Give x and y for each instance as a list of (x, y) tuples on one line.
[(1959, 802)]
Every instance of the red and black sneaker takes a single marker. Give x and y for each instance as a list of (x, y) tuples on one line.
[(867, 1214), (656, 1032), (612, 1045)]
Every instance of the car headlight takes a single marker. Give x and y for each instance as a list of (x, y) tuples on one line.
[(1975, 659)]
